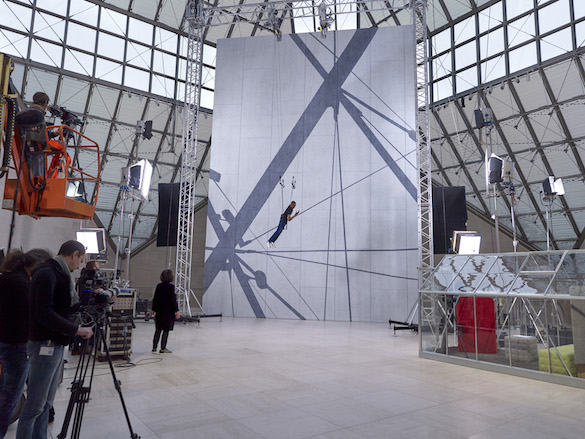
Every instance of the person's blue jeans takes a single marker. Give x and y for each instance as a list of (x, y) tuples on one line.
[(14, 363), (43, 380), (279, 230)]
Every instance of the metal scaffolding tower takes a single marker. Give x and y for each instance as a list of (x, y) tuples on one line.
[(425, 188), (202, 15), (194, 16)]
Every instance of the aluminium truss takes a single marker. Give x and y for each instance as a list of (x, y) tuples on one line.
[(202, 15), (194, 15)]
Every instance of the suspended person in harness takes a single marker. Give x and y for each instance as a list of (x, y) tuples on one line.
[(284, 218)]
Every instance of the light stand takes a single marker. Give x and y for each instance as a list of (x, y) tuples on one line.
[(129, 248), (137, 176), (550, 189), (116, 274), (483, 118), (547, 200), (514, 239)]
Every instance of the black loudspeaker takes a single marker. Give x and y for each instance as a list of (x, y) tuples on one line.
[(449, 214), (495, 167), (168, 214), (479, 121), (147, 134)]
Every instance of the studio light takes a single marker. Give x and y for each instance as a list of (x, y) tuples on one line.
[(144, 129), (145, 177), (466, 242), (552, 187), (483, 117), (94, 241), (75, 189), (138, 176)]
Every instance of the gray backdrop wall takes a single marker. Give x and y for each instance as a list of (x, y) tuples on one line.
[(336, 117)]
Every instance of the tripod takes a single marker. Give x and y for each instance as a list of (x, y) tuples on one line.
[(80, 393)]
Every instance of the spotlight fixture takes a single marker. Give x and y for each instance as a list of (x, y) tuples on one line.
[(483, 117), (502, 86), (144, 129)]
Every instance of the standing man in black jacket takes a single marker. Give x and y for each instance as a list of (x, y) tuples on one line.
[(53, 297)]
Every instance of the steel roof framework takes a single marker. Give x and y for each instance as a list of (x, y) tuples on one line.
[(564, 94)]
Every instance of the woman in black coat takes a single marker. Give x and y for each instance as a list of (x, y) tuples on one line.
[(14, 304), (164, 311)]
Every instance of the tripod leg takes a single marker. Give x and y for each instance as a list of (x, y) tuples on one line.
[(79, 395), (100, 330)]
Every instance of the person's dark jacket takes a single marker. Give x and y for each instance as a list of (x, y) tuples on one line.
[(287, 212), (165, 305), (14, 298), (50, 304)]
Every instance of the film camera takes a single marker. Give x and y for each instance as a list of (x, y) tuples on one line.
[(67, 118), (94, 289)]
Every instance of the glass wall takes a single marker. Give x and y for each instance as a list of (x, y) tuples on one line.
[(501, 40), (96, 41), (519, 310)]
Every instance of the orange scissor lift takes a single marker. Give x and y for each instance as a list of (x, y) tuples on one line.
[(44, 182)]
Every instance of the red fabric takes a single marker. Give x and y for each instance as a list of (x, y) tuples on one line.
[(486, 325)]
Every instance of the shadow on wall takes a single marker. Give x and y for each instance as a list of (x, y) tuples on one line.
[(322, 113)]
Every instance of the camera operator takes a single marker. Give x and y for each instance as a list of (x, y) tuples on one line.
[(88, 282), (40, 103), (53, 297)]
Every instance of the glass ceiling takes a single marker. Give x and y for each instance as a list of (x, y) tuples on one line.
[(115, 62)]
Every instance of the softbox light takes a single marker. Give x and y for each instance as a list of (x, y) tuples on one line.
[(466, 242), (550, 186), (94, 240), (139, 176)]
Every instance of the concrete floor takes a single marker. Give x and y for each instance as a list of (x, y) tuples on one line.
[(284, 379)]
